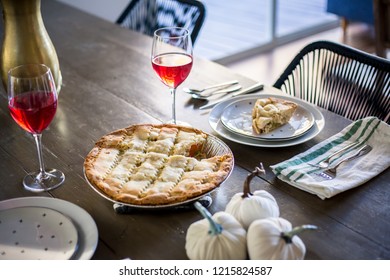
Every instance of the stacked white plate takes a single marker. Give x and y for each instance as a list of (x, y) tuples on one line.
[(232, 119), (33, 228)]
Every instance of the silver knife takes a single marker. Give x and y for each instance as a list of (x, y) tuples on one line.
[(254, 88)]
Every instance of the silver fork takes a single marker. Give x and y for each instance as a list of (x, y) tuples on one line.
[(331, 173), (325, 162)]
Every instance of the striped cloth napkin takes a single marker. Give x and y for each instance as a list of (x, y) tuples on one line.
[(298, 173)]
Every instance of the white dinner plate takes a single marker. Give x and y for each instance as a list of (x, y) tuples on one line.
[(83, 222), (237, 117), (36, 233), (219, 128)]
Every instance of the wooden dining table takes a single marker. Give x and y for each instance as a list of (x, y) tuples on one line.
[(108, 84)]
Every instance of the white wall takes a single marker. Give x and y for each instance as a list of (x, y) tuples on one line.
[(106, 9)]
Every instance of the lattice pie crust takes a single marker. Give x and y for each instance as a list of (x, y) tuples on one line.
[(154, 165)]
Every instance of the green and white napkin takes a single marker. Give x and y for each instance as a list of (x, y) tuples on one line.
[(299, 173)]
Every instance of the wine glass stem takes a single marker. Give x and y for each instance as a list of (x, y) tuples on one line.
[(38, 142), (173, 93)]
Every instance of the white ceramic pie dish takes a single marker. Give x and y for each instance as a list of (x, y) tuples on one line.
[(213, 147)]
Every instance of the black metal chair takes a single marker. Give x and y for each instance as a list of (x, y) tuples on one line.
[(146, 16), (341, 79)]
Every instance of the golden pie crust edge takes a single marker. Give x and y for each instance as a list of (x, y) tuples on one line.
[(186, 190)]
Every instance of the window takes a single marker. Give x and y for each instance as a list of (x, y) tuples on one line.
[(237, 29)]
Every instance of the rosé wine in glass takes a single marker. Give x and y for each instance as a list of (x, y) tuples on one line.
[(172, 59), (33, 111), (172, 68), (32, 102)]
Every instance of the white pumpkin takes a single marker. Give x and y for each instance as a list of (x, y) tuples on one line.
[(274, 239), (247, 207), (217, 237)]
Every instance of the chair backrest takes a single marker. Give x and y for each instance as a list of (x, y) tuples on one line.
[(146, 16), (341, 79)]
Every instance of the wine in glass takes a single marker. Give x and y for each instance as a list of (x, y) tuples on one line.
[(172, 59), (32, 102)]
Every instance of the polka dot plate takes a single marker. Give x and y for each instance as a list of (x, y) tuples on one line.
[(30, 233)]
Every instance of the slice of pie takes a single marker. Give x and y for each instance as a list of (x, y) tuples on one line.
[(155, 164), (271, 113)]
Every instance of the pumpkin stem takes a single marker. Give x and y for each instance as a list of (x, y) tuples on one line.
[(215, 228), (246, 187), (287, 236)]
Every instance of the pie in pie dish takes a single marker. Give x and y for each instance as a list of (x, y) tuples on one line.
[(157, 164), (271, 113)]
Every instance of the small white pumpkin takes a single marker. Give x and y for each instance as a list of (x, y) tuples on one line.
[(247, 207), (217, 237), (274, 239)]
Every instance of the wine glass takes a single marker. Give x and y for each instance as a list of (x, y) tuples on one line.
[(32, 102), (172, 58)]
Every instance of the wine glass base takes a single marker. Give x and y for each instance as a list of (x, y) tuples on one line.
[(181, 123), (34, 182)]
